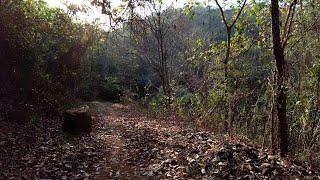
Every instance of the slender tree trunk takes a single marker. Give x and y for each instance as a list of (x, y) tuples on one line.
[(226, 60), (265, 133), (315, 123), (163, 58), (226, 76), (272, 111), (278, 53), (166, 80), (273, 146)]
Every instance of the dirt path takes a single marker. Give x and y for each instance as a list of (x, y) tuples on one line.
[(124, 144), (132, 137)]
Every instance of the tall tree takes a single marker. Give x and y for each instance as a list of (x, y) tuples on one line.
[(155, 40), (151, 31), (279, 45)]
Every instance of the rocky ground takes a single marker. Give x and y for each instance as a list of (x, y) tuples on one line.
[(127, 144)]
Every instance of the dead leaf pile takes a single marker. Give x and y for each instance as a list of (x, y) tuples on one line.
[(203, 156)]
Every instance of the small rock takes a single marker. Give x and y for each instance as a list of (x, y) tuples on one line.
[(222, 164), (148, 173), (68, 166)]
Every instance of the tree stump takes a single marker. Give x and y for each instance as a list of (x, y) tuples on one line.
[(77, 120)]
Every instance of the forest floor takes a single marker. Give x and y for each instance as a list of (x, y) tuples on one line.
[(126, 143)]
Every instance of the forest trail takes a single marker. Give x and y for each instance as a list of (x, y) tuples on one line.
[(128, 144), (134, 139), (240, 76), (142, 147)]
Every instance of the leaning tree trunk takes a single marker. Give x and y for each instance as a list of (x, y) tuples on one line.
[(278, 53)]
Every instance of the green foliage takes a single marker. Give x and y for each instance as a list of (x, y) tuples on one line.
[(111, 89), (48, 47)]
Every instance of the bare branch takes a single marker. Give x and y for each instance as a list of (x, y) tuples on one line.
[(239, 13), (288, 31), (222, 14), (287, 20), (306, 31)]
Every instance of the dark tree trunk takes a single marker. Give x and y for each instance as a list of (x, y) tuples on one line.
[(278, 53), (163, 58)]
